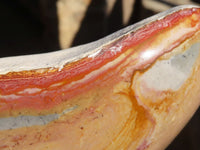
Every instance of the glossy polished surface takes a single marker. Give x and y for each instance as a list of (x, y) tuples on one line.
[(135, 89)]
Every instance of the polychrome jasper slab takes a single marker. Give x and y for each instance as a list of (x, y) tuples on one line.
[(135, 89)]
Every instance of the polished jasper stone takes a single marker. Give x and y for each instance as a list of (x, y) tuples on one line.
[(135, 89)]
